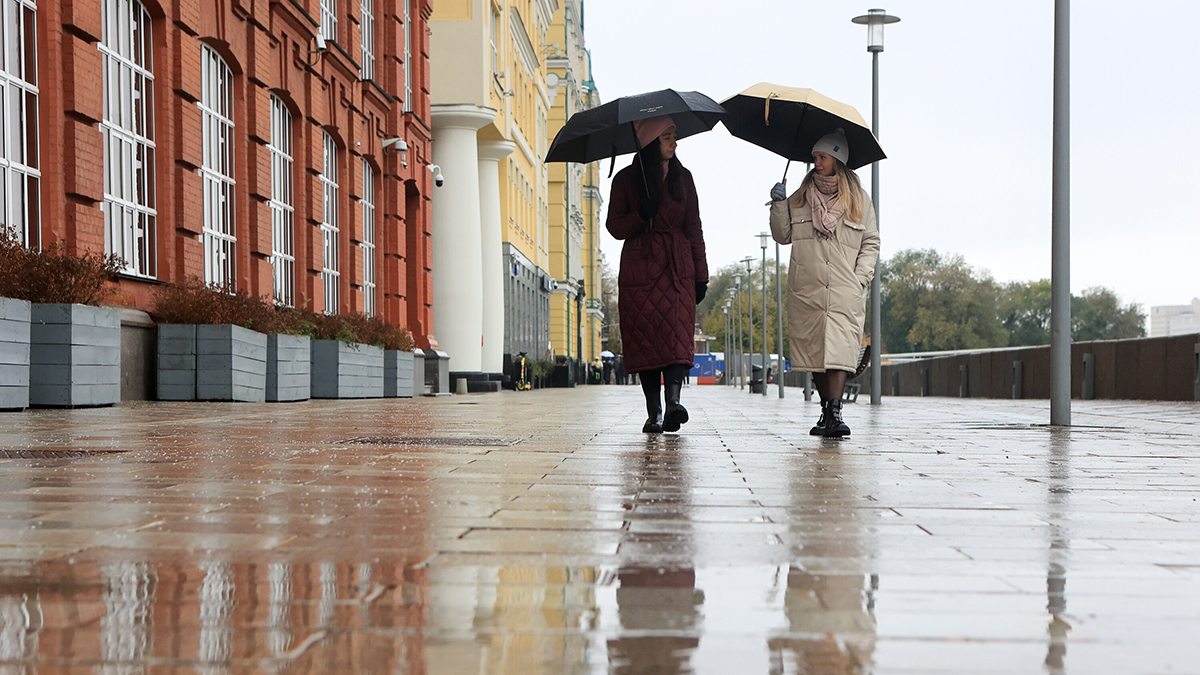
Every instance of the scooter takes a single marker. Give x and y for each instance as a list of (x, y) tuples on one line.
[(522, 370)]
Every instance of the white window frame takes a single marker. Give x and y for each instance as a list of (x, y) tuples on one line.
[(329, 20), (20, 176), (127, 128), (216, 170), (367, 26), (367, 201), (408, 74), (282, 204), (330, 260), (494, 37)]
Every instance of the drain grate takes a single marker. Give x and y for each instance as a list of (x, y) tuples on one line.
[(53, 454), (439, 441)]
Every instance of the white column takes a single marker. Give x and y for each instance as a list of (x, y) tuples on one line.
[(490, 154), (457, 249)]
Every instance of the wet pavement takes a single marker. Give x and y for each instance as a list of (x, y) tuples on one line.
[(540, 532)]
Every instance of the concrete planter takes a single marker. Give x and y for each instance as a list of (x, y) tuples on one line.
[(437, 373), (399, 379), (289, 367), (342, 370), (231, 364), (74, 355), (176, 369), (14, 354)]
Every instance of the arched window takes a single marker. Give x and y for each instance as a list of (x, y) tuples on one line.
[(330, 269), (368, 241), (128, 131), (282, 204), (216, 170)]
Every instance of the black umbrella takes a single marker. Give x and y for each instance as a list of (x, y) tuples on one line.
[(607, 130), (789, 122)]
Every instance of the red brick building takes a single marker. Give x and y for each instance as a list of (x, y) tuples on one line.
[(239, 141)]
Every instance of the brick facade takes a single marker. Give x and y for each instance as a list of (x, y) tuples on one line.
[(269, 47)]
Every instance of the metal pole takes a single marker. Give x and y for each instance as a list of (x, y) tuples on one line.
[(808, 386), (876, 339), (779, 320), (766, 353), (1060, 219), (750, 319), (742, 375)]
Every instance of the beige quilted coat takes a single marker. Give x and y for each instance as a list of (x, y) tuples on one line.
[(828, 285)]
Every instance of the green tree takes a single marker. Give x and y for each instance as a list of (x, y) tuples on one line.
[(1099, 315), (611, 330), (931, 303), (1025, 312)]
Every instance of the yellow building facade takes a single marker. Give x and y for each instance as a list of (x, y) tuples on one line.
[(574, 198), (491, 97)]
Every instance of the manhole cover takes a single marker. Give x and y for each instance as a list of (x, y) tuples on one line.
[(432, 440), (51, 454)]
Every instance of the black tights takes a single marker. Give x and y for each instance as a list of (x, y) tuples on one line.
[(830, 384), (652, 379)]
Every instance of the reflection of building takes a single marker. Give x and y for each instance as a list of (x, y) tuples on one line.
[(218, 140), (574, 198), (1168, 320), (489, 117)]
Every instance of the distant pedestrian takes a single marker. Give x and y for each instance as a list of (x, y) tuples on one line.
[(830, 223), (608, 368), (664, 273), (620, 368)]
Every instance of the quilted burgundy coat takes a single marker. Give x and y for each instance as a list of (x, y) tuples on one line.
[(659, 271)]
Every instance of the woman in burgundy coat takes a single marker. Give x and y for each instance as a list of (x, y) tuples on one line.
[(664, 274)]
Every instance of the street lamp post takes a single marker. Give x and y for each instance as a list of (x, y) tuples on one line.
[(725, 309), (763, 238), (737, 277), (750, 318), (875, 20), (1060, 223)]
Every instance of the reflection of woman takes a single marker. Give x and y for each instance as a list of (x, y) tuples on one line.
[(664, 274), (830, 223)]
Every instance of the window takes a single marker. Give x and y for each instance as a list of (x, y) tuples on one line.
[(368, 39), (329, 19), (330, 270), (368, 240), (282, 204), (20, 208), (408, 64), (128, 134), (495, 30), (216, 170)]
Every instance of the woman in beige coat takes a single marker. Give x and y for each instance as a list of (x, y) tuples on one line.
[(830, 223)]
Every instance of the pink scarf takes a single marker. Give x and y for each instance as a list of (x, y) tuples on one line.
[(827, 210)]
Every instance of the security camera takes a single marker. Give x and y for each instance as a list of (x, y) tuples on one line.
[(321, 45), (438, 179), (396, 144)]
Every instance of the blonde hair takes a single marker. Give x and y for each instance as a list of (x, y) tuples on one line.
[(850, 192)]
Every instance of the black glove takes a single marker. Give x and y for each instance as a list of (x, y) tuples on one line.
[(647, 209), (701, 291)]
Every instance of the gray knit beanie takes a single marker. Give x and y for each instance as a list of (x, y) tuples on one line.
[(835, 145)]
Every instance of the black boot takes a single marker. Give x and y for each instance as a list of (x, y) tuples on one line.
[(819, 429), (650, 388), (834, 426), (677, 415)]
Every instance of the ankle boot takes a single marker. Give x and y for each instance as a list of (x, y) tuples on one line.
[(835, 427), (819, 429), (677, 415)]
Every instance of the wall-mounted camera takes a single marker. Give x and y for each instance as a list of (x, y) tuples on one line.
[(399, 146), (438, 179)]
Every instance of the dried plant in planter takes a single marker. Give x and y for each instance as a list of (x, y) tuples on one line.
[(54, 274), (373, 330), (192, 301)]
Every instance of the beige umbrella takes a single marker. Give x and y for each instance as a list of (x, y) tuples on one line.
[(789, 121)]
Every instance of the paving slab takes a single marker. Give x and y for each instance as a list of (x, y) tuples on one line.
[(541, 532)]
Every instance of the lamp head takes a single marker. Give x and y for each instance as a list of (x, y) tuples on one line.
[(875, 20), (763, 239)]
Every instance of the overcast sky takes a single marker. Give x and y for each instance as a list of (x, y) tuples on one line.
[(965, 107)]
